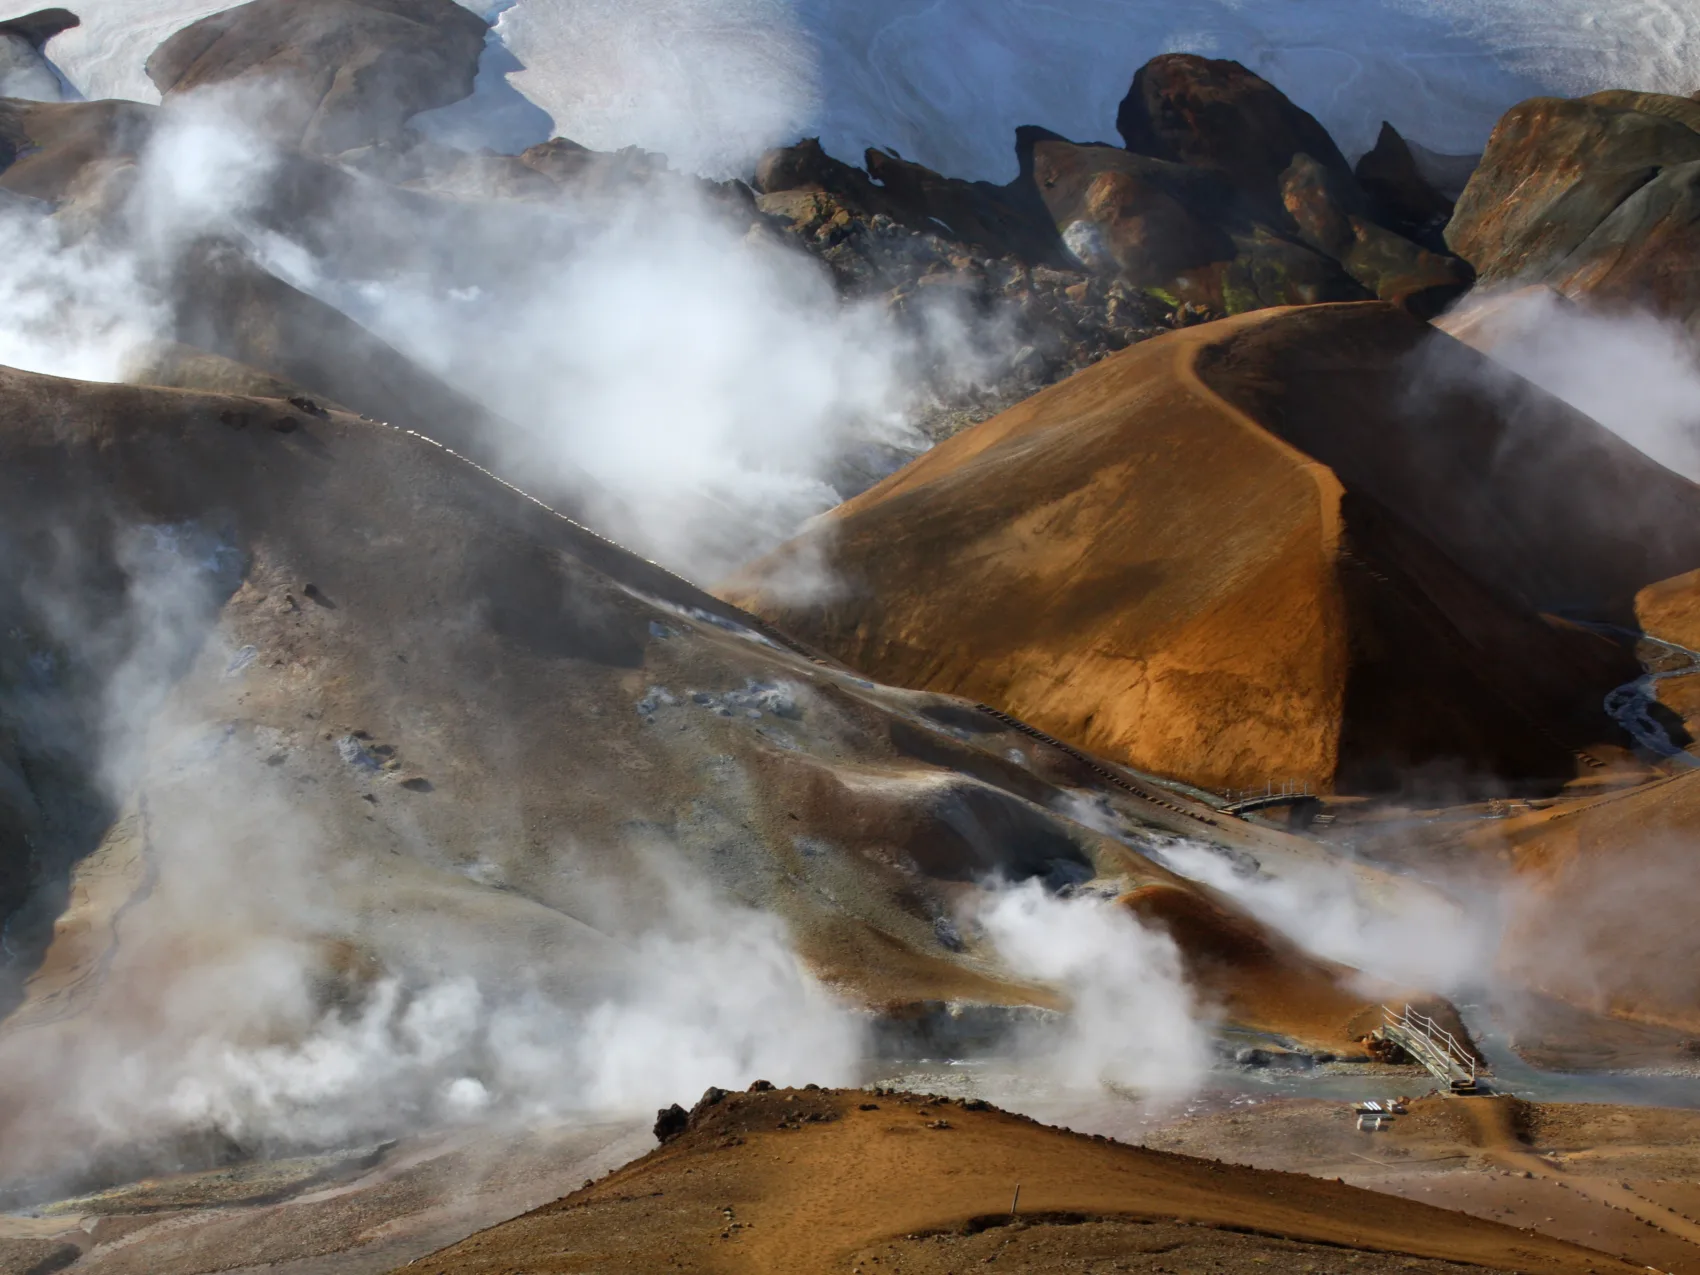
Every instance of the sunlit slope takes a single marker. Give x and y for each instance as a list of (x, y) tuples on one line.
[(1310, 544), (800, 1182)]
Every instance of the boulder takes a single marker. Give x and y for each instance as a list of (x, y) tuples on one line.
[(1188, 236), (329, 75), (1184, 235), (1216, 114), (1148, 220)]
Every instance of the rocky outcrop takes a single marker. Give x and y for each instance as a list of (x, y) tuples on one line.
[(998, 221), (329, 75), (1217, 115), (1597, 197), (1334, 217), (1401, 193), (1231, 198), (1183, 235), (999, 259)]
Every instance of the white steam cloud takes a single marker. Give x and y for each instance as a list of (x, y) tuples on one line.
[(1132, 1021), (1635, 373), (1411, 936), (707, 382), (265, 996), (68, 309)]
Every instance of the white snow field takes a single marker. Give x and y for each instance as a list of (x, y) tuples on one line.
[(945, 82)]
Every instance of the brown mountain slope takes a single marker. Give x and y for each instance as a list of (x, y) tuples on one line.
[(1598, 965), (1303, 544), (315, 694), (833, 1181)]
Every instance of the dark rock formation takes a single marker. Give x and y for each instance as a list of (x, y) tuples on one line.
[(1402, 197), (1001, 257), (41, 26), (670, 1122), (1594, 196), (1000, 221), (329, 74), (1334, 217), (1184, 235), (1218, 115)]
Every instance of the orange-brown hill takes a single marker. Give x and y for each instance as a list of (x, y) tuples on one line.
[(805, 1181), (1310, 543)]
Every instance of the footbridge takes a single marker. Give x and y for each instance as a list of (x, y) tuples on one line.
[(1288, 792), (1434, 1048)]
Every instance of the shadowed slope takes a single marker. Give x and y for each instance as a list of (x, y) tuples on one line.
[(1309, 544)]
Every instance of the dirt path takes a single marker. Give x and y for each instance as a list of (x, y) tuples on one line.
[(1501, 1145)]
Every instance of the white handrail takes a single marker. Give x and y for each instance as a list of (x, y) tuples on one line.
[(1435, 1036)]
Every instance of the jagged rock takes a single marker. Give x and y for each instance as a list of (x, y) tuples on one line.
[(807, 167), (670, 1122), (1002, 221), (1005, 221), (1402, 197), (1216, 114), (1182, 234), (1555, 171), (329, 74), (1332, 215)]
